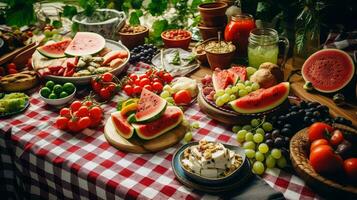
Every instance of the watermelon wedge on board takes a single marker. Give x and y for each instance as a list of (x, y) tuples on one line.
[(121, 125)]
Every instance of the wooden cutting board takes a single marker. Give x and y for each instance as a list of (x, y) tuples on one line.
[(348, 112), (136, 145), (11, 55)]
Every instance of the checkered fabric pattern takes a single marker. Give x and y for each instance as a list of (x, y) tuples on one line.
[(38, 160)]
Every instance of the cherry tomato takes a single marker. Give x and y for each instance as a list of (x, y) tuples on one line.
[(156, 80), (144, 81), (75, 105), (160, 74), (324, 160), (95, 113), (84, 122), (317, 143), (148, 87), (83, 111), (350, 167), (61, 122), (104, 93), (133, 77), (73, 125), (11, 71), (111, 87), (137, 89), (65, 112), (167, 77), (96, 86), (336, 138), (141, 76), (128, 89), (137, 81), (88, 103), (157, 86), (11, 66), (107, 77), (182, 97), (318, 130), (95, 122)]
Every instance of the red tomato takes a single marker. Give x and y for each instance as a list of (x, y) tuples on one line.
[(111, 88), (156, 80), (104, 93), (318, 130), (324, 160), (61, 122), (133, 77), (167, 77), (336, 138), (157, 86), (84, 122), (88, 103), (148, 87), (96, 86), (318, 143), (350, 167), (95, 122), (95, 113), (128, 89), (182, 97), (83, 111), (137, 89), (141, 76), (144, 81), (11, 66), (107, 77), (11, 71), (65, 112), (75, 105), (73, 125)]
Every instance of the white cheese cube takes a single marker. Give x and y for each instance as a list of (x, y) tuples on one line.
[(209, 173)]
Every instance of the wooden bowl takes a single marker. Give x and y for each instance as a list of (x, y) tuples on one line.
[(327, 186), (132, 40)]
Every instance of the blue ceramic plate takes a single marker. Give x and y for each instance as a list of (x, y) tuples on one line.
[(236, 180), (16, 112)]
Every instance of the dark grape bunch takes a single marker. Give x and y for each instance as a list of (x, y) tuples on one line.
[(143, 53), (303, 115), (276, 139)]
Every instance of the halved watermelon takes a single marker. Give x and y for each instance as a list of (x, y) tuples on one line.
[(121, 125), (221, 79), (150, 106), (170, 119), (328, 70), (85, 43), (54, 49), (262, 100), (238, 73)]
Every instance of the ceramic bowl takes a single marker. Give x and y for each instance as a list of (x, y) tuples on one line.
[(176, 43), (201, 55), (205, 180), (132, 40), (220, 60), (58, 102)]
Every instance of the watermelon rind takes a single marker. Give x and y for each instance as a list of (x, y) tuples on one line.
[(42, 49), (123, 128), (217, 80), (173, 112), (235, 105), (154, 111), (339, 53), (79, 41)]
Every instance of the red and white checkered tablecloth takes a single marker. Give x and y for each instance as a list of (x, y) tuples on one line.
[(41, 161)]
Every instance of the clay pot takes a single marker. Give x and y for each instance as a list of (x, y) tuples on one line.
[(213, 14), (176, 43), (228, 2), (201, 56), (220, 60), (132, 40), (209, 32)]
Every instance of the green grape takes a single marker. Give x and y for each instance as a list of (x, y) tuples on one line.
[(236, 128), (220, 92), (215, 96), (270, 161), (255, 122), (232, 97), (240, 86), (258, 138), (48, 33), (195, 125), (267, 126), (247, 83), (281, 162), (188, 136), (185, 122), (249, 136), (248, 88), (250, 71), (167, 88), (241, 135), (225, 98), (259, 156), (250, 153), (263, 148), (255, 86), (235, 89), (220, 102), (164, 94), (247, 127), (276, 153), (242, 92), (260, 131), (228, 91), (249, 145), (170, 100), (258, 168)]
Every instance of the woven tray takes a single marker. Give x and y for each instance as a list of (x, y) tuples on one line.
[(327, 186)]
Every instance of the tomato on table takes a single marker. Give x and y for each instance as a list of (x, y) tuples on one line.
[(350, 167), (324, 160), (317, 143), (318, 130), (182, 97)]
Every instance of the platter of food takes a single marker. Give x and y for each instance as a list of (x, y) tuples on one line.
[(12, 104)]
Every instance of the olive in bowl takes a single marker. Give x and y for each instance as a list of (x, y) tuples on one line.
[(177, 38), (56, 94)]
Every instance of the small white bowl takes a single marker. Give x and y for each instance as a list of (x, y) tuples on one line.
[(58, 102)]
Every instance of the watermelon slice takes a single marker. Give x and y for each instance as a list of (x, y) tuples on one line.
[(238, 73), (150, 106), (262, 100), (123, 128), (221, 79), (170, 119), (54, 49), (85, 43), (328, 70)]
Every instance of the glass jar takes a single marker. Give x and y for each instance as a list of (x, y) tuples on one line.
[(237, 31), (263, 47)]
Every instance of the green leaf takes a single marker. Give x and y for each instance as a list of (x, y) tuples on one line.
[(136, 4), (157, 7), (69, 11), (134, 18), (56, 24)]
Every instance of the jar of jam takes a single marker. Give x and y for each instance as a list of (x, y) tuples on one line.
[(237, 31)]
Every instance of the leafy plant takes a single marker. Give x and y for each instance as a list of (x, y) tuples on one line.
[(19, 12)]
